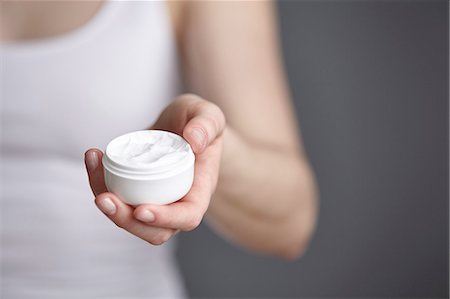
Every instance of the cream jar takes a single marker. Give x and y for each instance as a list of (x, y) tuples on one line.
[(150, 166)]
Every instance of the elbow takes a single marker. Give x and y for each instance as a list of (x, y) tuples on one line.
[(302, 224), (298, 231), (293, 251), (293, 238), (285, 248)]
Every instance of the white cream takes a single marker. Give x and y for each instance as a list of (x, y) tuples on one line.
[(149, 149), (150, 166)]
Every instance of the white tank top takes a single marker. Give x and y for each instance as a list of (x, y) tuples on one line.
[(59, 97)]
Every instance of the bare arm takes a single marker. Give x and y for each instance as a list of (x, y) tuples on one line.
[(253, 165), (265, 198)]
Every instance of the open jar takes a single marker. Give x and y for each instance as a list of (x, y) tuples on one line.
[(149, 166)]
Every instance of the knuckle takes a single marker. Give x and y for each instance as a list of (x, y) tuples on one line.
[(155, 242), (160, 238), (166, 236), (193, 223), (208, 124), (216, 117), (202, 105), (190, 97), (216, 110), (210, 108), (216, 124)]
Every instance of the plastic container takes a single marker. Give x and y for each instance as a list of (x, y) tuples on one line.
[(163, 181)]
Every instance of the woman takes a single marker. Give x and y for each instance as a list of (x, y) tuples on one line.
[(77, 74)]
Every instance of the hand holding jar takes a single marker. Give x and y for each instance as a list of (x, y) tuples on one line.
[(201, 124)]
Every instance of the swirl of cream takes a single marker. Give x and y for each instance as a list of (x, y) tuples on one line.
[(151, 148)]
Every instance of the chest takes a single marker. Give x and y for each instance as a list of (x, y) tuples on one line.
[(114, 75), (39, 19)]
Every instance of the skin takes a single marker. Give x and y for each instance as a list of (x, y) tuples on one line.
[(252, 179)]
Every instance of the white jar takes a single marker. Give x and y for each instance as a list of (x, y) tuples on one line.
[(150, 166)]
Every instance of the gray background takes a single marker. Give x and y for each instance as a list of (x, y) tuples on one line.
[(369, 81)]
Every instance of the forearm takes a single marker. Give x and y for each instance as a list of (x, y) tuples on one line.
[(265, 199)]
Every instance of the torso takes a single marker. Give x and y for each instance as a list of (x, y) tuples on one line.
[(109, 71)]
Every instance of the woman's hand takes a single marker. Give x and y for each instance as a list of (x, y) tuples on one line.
[(201, 123)]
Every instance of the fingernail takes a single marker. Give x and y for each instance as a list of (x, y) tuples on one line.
[(107, 206), (145, 216), (198, 136), (92, 160)]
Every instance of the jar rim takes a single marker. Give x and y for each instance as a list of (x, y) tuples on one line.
[(147, 171)]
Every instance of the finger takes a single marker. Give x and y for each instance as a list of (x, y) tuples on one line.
[(122, 215), (205, 123), (181, 215), (94, 167), (185, 214)]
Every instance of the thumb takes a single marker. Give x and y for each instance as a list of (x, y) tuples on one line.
[(94, 167), (207, 122)]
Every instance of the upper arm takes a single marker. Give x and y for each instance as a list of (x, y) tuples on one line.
[(231, 56)]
